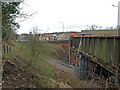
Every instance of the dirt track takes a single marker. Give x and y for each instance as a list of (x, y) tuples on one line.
[(62, 66)]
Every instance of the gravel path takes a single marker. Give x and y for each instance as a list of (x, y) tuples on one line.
[(62, 66)]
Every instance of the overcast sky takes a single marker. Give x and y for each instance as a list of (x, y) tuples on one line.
[(75, 14)]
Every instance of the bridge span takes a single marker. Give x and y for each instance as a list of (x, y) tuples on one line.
[(100, 52), (103, 51)]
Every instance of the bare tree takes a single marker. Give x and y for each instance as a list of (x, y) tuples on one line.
[(34, 44), (94, 27)]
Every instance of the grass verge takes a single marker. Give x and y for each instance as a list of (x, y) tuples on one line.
[(40, 73)]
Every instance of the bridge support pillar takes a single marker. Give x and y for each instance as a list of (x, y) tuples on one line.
[(82, 66)]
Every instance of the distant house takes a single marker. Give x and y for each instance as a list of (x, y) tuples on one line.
[(54, 36), (47, 36), (73, 34), (63, 37), (66, 35), (58, 36), (23, 37)]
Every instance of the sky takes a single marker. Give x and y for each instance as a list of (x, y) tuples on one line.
[(75, 14)]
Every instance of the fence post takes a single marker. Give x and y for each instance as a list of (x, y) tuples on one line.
[(10, 48), (7, 49), (4, 48)]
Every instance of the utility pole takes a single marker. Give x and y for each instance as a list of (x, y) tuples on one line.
[(118, 28), (63, 26), (118, 18)]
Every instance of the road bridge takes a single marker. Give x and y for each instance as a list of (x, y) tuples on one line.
[(103, 51)]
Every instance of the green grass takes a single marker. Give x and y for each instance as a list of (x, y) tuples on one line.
[(45, 50), (38, 65), (23, 50)]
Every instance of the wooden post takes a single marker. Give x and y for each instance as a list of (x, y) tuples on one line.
[(7, 49), (69, 44), (4, 49), (69, 54), (10, 48)]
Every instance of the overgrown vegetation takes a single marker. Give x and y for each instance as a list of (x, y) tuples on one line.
[(9, 13), (22, 61), (28, 61), (36, 54)]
